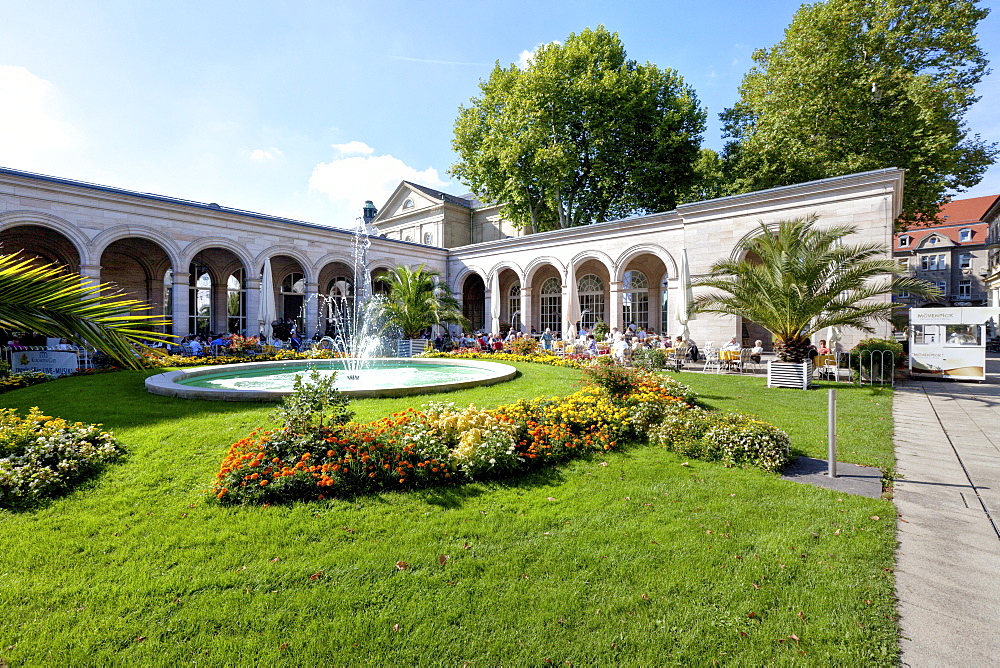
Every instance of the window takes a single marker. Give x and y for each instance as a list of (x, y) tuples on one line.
[(664, 308), (933, 262), (591, 291), (942, 286), (408, 204), (293, 290), (551, 305), (514, 304), (428, 239), (904, 241), (903, 294), (336, 307), (965, 288), (965, 261), (200, 302), (635, 299), (236, 303), (965, 235), (932, 241)]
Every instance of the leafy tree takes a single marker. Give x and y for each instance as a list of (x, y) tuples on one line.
[(797, 280), (417, 300), (579, 136), (52, 301), (857, 85)]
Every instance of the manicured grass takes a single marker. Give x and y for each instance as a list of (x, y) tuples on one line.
[(864, 414), (634, 558)]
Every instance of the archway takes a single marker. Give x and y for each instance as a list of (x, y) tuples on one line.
[(474, 301), (217, 287), (45, 244), (337, 293), (137, 267), (290, 290), (644, 293)]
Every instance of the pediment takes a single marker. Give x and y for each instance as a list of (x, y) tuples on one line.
[(397, 205)]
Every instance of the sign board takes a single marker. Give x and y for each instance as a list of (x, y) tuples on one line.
[(949, 342), (52, 362)]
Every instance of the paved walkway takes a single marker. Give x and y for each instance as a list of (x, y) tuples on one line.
[(947, 438)]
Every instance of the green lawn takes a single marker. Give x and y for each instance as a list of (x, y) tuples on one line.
[(634, 558)]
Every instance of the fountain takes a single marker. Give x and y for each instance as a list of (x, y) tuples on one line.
[(361, 372)]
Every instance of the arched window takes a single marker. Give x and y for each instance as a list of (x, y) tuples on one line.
[(664, 308), (337, 305), (293, 290), (200, 302), (635, 299), (514, 305), (408, 204), (591, 291), (551, 305), (236, 303)]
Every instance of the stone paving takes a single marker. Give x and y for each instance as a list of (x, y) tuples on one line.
[(947, 437)]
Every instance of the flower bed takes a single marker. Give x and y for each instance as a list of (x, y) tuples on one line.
[(439, 444), (41, 456), (539, 357)]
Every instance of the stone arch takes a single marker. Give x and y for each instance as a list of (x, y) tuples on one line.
[(735, 254), (332, 258), (463, 273), (12, 219), (645, 249), (120, 232), (288, 251), (598, 256), (204, 243), (506, 264), (538, 263)]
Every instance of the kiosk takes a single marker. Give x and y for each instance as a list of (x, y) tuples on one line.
[(949, 342)]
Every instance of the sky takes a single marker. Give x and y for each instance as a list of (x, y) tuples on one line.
[(307, 109)]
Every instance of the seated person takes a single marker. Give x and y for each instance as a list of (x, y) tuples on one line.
[(812, 350), (822, 348), (220, 340), (197, 347), (591, 347), (619, 347), (732, 345), (757, 351)]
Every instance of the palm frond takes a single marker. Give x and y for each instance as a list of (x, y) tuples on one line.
[(50, 300)]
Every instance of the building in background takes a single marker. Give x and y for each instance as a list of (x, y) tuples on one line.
[(954, 255)]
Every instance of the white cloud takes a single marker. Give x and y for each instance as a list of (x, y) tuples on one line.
[(259, 154), (32, 127), (356, 178), (524, 60), (353, 148)]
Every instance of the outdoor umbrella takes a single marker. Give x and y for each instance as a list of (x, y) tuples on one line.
[(685, 297), (268, 311), (573, 311)]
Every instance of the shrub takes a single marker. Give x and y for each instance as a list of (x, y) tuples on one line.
[(4, 368), (651, 359), (312, 402), (732, 438), (242, 345), (871, 358), (523, 346), (612, 377), (41, 456), (600, 330), (16, 381)]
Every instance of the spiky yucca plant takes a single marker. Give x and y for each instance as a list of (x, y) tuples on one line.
[(50, 300), (418, 300), (806, 280)]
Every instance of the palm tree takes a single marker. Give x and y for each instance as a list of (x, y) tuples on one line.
[(805, 279), (417, 300), (50, 300)]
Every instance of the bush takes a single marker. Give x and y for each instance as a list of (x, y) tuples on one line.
[(871, 358), (732, 438), (16, 381), (312, 402), (615, 379), (651, 359), (41, 456), (4, 368), (600, 330), (523, 346)]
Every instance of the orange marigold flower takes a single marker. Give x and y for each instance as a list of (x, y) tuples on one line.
[(263, 482)]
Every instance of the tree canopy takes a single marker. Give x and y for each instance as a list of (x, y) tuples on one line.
[(857, 85), (581, 135), (798, 279)]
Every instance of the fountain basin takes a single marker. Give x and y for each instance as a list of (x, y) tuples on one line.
[(382, 377)]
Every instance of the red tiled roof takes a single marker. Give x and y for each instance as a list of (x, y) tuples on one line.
[(957, 215), (969, 210)]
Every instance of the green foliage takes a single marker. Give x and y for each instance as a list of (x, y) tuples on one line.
[(16, 381), (4, 368), (600, 330), (312, 403), (613, 378), (731, 438), (525, 345), (418, 299), (871, 357), (857, 85), (42, 456), (581, 135), (799, 279), (50, 300), (651, 359)]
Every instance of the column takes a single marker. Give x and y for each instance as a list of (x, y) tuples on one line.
[(181, 293), (220, 307), (253, 307), (91, 273), (615, 316), (493, 304), (311, 305), (527, 317)]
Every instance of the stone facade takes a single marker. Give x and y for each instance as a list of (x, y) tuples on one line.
[(620, 271)]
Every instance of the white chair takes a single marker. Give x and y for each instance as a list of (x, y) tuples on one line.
[(712, 360)]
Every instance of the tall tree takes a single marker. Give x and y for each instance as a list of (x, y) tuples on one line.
[(581, 135), (857, 85), (798, 279), (52, 301)]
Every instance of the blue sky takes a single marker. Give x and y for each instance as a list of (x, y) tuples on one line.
[(306, 109)]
